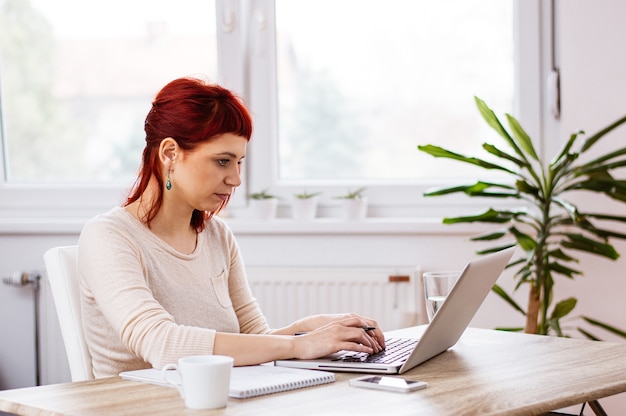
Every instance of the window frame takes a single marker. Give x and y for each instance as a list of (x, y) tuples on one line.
[(244, 23)]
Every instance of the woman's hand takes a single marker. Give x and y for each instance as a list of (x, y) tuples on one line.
[(313, 322), (323, 335), (335, 333)]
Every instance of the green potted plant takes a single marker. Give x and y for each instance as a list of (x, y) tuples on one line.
[(548, 227), (304, 205), (263, 204), (354, 204)]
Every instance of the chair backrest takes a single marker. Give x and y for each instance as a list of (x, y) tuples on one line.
[(62, 271)]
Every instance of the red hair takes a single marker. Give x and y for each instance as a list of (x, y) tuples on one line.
[(191, 112)]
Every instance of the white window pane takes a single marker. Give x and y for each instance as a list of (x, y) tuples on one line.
[(78, 78), (362, 82)]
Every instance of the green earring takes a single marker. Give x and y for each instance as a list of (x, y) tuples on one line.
[(168, 184)]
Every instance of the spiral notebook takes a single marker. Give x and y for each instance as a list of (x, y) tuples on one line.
[(249, 381)]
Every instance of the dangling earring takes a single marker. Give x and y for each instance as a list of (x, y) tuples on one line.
[(168, 183)]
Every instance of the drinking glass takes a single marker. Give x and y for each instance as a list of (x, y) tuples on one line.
[(437, 285)]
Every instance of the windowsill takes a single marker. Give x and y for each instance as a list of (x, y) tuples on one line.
[(339, 226), (241, 226)]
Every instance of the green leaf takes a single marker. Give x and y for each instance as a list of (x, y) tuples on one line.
[(306, 194), (561, 269), (446, 191), (566, 148), (559, 169), (500, 292), (563, 308), (605, 326), (264, 194), (610, 187), (590, 169), (490, 117), (526, 242), (524, 275), (516, 262), (525, 187), (569, 208), (497, 152), (358, 194), (479, 188), (559, 254), (490, 236), (514, 329), (491, 215), (556, 326), (582, 243), (601, 181), (492, 120), (495, 249), (589, 335), (593, 139), (438, 151), (606, 217), (522, 138), (602, 233)]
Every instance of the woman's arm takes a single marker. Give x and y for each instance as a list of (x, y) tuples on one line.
[(314, 322), (341, 332)]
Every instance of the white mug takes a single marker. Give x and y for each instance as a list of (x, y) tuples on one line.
[(203, 380)]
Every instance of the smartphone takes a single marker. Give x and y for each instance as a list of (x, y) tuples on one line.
[(397, 384)]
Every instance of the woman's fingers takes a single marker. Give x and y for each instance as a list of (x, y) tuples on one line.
[(376, 333), (361, 337), (344, 332)]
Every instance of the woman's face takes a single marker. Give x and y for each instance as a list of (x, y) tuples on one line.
[(205, 177)]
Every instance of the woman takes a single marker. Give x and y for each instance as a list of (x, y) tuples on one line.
[(162, 276)]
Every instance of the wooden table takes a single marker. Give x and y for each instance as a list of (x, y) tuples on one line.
[(487, 373)]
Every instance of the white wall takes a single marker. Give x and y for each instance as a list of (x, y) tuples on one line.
[(21, 252), (592, 62)]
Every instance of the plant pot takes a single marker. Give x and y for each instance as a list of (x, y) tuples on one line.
[(354, 209), (264, 209), (304, 209)]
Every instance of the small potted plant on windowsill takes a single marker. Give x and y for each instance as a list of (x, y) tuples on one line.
[(354, 204), (304, 205), (263, 205)]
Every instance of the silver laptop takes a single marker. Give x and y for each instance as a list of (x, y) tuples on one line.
[(447, 326)]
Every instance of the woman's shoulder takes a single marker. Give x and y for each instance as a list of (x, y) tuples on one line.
[(115, 216), (116, 220), (108, 232)]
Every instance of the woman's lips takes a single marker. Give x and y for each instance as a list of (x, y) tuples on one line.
[(223, 197)]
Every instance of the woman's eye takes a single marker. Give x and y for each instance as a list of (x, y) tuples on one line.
[(222, 162)]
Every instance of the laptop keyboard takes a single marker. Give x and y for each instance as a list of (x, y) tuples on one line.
[(396, 349)]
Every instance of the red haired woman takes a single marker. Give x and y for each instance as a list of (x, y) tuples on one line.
[(162, 276)]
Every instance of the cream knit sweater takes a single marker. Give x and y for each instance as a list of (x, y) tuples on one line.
[(145, 305)]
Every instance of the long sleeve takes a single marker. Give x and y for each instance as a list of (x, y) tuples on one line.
[(144, 304)]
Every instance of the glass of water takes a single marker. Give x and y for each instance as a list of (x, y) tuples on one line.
[(437, 285)]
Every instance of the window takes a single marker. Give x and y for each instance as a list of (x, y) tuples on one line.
[(355, 99), (342, 91), (78, 78)]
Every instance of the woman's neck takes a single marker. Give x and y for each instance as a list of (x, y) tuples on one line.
[(171, 223)]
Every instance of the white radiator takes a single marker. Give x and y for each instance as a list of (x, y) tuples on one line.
[(391, 295)]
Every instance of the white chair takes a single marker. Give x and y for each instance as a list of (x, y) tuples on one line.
[(62, 273)]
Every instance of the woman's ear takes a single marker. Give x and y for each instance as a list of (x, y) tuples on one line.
[(167, 151)]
